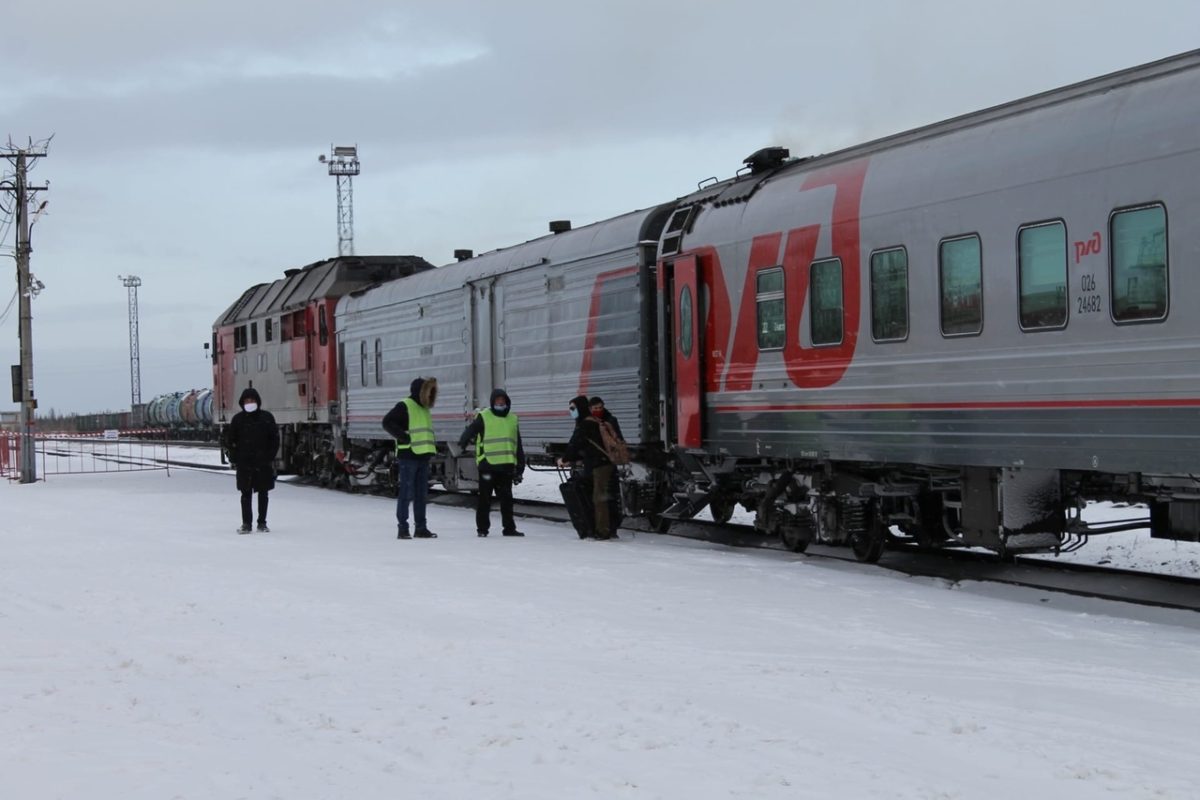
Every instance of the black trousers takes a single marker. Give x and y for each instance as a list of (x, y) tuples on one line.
[(499, 482), (247, 496)]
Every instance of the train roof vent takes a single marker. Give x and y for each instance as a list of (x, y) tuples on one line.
[(766, 159), (560, 225), (463, 255), (287, 273)]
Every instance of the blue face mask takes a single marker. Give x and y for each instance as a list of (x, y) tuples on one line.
[(499, 408), (574, 412)]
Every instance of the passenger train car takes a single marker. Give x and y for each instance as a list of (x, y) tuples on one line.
[(958, 334)]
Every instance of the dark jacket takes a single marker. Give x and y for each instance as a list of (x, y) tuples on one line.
[(586, 443), (424, 391), (251, 441), (475, 430)]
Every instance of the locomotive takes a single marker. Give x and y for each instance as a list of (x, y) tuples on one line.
[(957, 335)]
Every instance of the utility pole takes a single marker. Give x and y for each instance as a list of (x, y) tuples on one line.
[(26, 288), (343, 164), (132, 282)]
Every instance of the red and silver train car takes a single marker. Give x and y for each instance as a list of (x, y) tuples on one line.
[(280, 338), (965, 330)]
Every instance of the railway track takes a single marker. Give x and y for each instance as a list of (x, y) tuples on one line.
[(951, 565)]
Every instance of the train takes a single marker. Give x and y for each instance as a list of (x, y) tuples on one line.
[(958, 335), (180, 416)]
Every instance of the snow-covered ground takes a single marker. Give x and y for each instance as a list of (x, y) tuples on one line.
[(150, 652)]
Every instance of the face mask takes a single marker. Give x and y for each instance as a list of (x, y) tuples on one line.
[(574, 413), (499, 408), (598, 412), (251, 407)]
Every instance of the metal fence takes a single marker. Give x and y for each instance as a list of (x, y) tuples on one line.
[(85, 454)]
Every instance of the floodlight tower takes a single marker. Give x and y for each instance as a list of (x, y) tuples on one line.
[(132, 282), (343, 164)]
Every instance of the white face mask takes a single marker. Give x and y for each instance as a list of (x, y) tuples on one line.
[(251, 407), (574, 413)]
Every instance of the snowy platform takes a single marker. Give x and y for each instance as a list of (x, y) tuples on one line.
[(150, 652)]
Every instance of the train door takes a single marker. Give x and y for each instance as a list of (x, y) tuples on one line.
[(689, 349), (483, 338)]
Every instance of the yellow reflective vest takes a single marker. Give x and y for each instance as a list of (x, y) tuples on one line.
[(420, 430), (498, 442)]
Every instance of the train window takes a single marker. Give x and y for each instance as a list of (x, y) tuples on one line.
[(322, 326), (253, 333), (379, 362), (298, 324), (889, 295), (1042, 275), (685, 322), (362, 362), (825, 301), (960, 272), (267, 328), (770, 308), (285, 327), (1137, 239)]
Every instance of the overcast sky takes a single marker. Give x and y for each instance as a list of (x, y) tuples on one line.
[(186, 136)]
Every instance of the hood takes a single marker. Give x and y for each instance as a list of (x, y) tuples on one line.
[(250, 394), (581, 403), (498, 394), (424, 391)]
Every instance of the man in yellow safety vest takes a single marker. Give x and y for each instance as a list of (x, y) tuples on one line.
[(411, 425), (500, 458)]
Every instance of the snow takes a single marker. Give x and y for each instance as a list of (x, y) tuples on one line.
[(151, 652)]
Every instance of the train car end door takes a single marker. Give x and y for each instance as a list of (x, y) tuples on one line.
[(689, 369)]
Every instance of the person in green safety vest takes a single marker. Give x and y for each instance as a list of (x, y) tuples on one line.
[(411, 425), (500, 457)]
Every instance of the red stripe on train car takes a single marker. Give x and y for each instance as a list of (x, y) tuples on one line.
[(961, 406)]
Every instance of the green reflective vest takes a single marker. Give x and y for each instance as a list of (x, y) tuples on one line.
[(420, 430), (498, 442)]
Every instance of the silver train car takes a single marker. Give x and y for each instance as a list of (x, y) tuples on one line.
[(957, 335)]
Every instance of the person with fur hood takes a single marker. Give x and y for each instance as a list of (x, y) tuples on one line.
[(411, 425), (251, 441), (500, 457)]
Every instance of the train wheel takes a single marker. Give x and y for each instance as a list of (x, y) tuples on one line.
[(796, 537), (869, 542), (720, 507)]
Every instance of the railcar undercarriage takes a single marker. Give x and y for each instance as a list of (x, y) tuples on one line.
[(865, 506)]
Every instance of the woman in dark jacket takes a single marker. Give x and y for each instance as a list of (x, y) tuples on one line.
[(251, 441), (587, 445)]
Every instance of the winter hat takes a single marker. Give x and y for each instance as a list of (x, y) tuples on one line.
[(500, 394), (250, 394)]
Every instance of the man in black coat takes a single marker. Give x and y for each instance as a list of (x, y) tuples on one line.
[(251, 441)]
